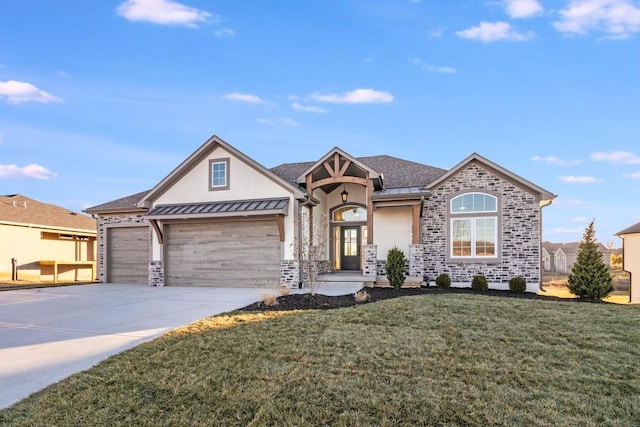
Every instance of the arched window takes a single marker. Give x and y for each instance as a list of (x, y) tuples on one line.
[(349, 214), (474, 226)]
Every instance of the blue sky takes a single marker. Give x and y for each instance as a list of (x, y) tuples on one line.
[(102, 99)]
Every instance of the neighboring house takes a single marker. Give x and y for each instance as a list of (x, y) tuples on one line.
[(560, 257), (631, 258), (38, 240), (222, 219)]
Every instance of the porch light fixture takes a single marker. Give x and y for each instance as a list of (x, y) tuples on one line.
[(344, 195)]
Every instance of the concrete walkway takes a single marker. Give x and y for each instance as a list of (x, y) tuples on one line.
[(48, 334)]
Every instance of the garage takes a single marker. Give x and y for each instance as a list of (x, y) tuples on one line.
[(223, 253), (128, 255)]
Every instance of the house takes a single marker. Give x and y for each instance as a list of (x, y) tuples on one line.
[(560, 257), (222, 219), (631, 258), (44, 242)]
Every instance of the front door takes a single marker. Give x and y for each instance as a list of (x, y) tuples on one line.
[(351, 243)]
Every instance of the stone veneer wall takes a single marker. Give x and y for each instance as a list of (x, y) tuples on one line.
[(103, 222), (289, 273), (519, 238), (370, 267), (156, 273)]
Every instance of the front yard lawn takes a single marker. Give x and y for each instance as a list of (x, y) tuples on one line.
[(440, 359)]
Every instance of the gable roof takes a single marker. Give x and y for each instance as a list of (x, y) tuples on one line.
[(200, 154), (372, 173), (398, 173), (570, 248), (18, 209), (124, 204), (634, 229), (475, 157)]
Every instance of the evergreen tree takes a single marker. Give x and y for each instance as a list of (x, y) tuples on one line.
[(590, 276)]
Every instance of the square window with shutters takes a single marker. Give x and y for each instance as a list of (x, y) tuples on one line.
[(218, 174)]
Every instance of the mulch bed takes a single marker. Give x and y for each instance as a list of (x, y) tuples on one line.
[(323, 302)]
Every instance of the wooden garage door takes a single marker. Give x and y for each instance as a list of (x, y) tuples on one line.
[(128, 255), (228, 253)]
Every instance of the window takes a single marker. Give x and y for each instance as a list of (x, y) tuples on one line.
[(219, 174), (474, 226), (349, 213)]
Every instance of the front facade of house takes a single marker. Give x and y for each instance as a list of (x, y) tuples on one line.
[(222, 219), (631, 259), (38, 238)]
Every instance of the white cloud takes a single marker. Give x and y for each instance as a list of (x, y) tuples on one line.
[(552, 160), (284, 121), (245, 97), (436, 32), (32, 171), (619, 19), (488, 32), (164, 12), (579, 179), (561, 230), (619, 157), (18, 92), (358, 96), (635, 175), (522, 8), (434, 68), (308, 108), (225, 32)]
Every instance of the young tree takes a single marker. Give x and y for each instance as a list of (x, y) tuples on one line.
[(589, 277)]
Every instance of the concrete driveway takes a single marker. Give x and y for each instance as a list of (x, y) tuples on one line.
[(48, 334)]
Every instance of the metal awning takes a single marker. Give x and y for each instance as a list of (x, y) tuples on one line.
[(219, 209)]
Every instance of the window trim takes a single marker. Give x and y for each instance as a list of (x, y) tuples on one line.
[(473, 216), (473, 255), (213, 162)]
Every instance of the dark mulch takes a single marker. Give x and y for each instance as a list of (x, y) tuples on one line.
[(323, 302)]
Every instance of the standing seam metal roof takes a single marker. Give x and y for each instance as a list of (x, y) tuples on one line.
[(219, 207)]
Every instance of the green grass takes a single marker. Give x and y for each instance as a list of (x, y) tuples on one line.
[(426, 360)]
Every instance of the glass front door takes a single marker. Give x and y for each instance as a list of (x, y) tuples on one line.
[(350, 244)]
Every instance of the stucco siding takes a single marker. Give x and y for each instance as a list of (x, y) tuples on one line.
[(393, 227), (245, 183), (32, 244), (519, 240), (631, 260)]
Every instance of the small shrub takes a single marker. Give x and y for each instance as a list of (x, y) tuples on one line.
[(518, 285), (284, 291), (479, 283), (269, 299), (362, 296), (443, 281), (395, 267)]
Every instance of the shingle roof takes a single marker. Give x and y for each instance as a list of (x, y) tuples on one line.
[(397, 172), (570, 248), (635, 228), (123, 204), (23, 210)]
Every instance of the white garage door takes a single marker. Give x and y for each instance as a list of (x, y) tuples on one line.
[(225, 253), (128, 255)]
